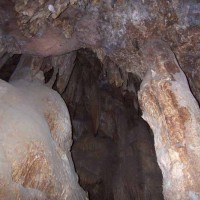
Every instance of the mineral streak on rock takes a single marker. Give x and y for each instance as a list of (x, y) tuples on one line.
[(35, 158), (172, 112)]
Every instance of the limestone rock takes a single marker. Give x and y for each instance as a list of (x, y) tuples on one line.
[(173, 114), (35, 142)]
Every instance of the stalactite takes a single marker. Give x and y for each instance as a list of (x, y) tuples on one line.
[(65, 64), (4, 57)]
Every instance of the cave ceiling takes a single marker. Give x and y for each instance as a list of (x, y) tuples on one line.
[(116, 30)]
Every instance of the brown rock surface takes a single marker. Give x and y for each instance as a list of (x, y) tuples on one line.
[(173, 114)]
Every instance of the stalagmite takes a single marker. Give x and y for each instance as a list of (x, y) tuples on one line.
[(174, 116), (35, 140)]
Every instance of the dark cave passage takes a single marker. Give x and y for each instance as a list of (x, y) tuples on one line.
[(113, 149)]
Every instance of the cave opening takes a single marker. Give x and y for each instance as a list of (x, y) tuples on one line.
[(113, 148)]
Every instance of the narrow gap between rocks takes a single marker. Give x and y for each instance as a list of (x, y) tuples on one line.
[(113, 149)]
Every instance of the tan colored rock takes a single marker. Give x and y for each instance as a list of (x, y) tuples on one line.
[(35, 142), (174, 116)]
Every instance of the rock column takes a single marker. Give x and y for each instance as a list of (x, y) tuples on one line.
[(174, 116)]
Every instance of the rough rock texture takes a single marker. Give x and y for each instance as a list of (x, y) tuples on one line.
[(113, 29), (174, 116), (35, 140), (116, 30)]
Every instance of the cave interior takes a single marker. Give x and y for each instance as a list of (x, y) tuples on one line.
[(113, 148), (100, 100)]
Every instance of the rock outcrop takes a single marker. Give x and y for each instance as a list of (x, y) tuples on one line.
[(35, 140), (174, 116)]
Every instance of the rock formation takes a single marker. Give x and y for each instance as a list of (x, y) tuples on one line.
[(173, 114), (35, 140), (155, 42)]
